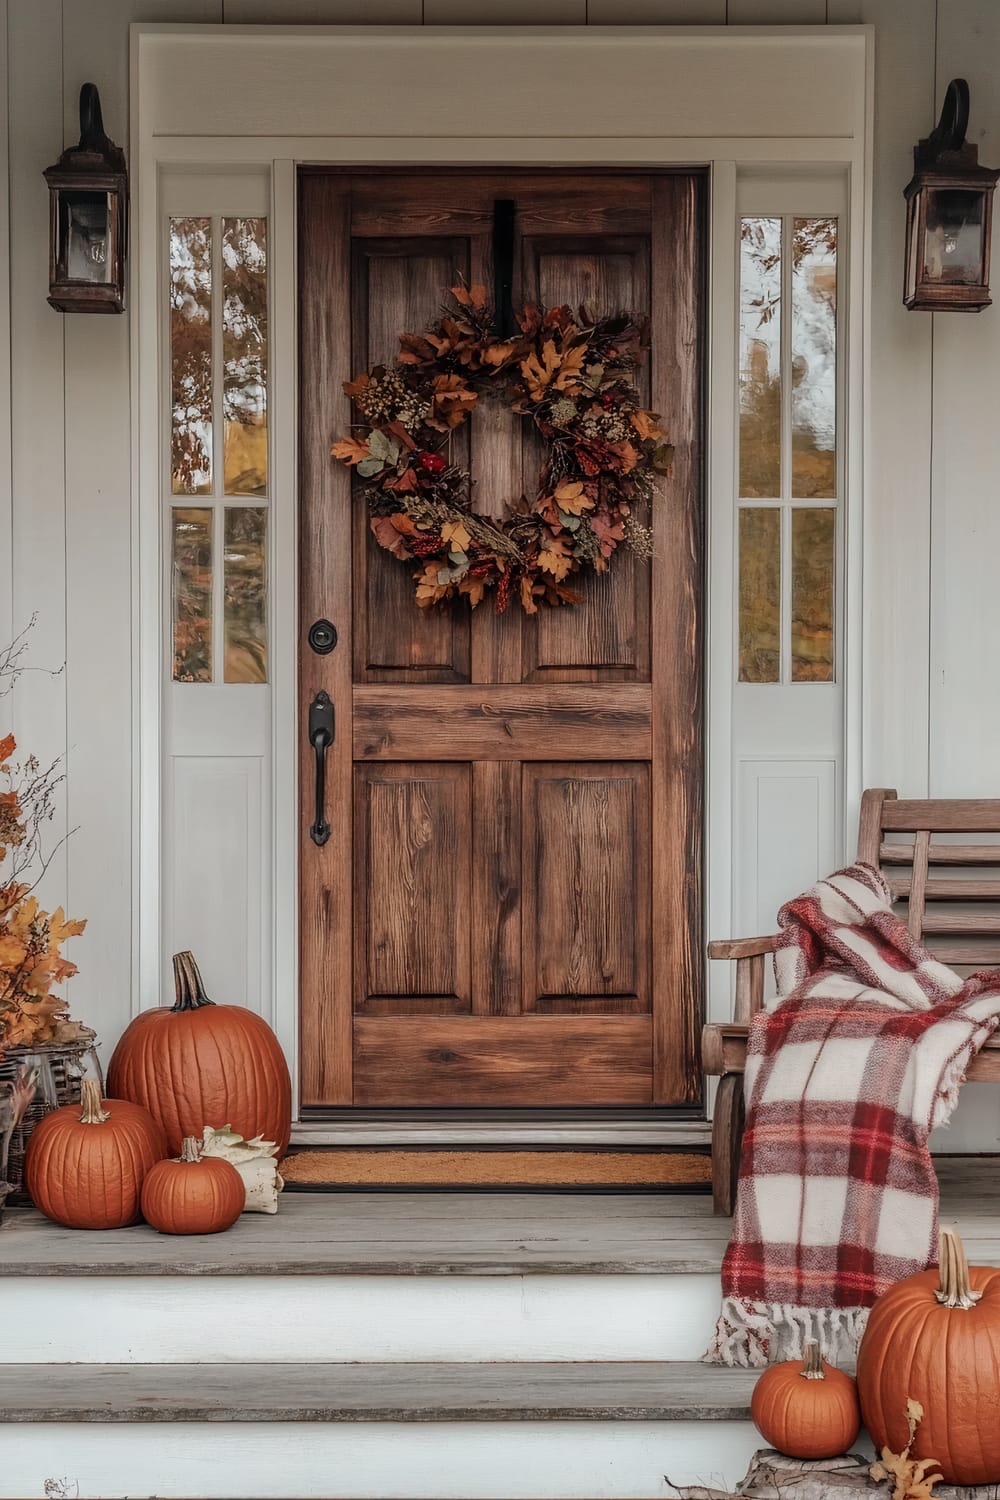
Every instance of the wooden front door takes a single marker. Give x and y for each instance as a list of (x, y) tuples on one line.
[(507, 910)]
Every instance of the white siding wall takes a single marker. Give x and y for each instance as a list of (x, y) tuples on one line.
[(932, 529)]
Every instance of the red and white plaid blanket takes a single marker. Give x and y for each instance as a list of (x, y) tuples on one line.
[(848, 1069)]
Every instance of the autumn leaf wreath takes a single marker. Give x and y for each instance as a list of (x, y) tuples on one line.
[(603, 451)]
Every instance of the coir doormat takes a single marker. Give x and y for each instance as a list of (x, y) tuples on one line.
[(332, 1168)]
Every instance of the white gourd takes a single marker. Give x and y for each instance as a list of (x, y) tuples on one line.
[(254, 1160)]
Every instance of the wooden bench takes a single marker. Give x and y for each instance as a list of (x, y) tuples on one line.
[(957, 914)]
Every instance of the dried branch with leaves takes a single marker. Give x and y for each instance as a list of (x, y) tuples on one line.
[(31, 938), (913, 1478)]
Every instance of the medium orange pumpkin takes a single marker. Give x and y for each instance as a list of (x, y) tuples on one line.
[(198, 1063), (85, 1163), (806, 1408), (935, 1338), (193, 1194)]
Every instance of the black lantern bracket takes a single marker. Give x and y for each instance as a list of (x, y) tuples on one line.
[(949, 134), (504, 220)]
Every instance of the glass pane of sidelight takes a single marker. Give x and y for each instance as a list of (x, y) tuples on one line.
[(760, 358), (814, 359), (245, 594), (760, 594), (244, 355), (191, 356), (813, 547), (191, 594)]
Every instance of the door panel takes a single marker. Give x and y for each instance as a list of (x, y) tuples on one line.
[(413, 870), (508, 910), (608, 637), (395, 282), (586, 887), (502, 1061)]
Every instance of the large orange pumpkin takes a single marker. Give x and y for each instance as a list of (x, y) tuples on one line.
[(198, 1064), (806, 1408), (935, 1338), (194, 1194), (86, 1163)]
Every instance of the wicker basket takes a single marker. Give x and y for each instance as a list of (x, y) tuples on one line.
[(60, 1066)]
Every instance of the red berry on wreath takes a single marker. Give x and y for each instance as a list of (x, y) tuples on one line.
[(432, 463)]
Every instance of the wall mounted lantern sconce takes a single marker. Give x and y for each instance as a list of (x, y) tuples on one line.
[(949, 212), (88, 220)]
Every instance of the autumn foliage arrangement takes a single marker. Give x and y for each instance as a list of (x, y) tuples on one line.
[(31, 939), (573, 378)]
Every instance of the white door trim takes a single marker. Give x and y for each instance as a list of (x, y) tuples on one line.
[(233, 99)]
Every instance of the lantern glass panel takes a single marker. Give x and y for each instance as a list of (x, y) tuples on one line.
[(953, 236), (85, 252)]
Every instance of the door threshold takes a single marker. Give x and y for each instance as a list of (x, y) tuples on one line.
[(524, 1131)]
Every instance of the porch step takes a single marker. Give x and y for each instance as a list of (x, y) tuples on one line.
[(536, 1392), (363, 1432)]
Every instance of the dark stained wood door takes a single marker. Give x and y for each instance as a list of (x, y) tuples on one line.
[(507, 912)]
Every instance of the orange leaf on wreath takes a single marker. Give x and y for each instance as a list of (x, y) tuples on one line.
[(387, 534), (403, 484), (528, 597), (607, 533), (570, 367), (555, 558), (498, 354), (455, 534), (572, 498), (7, 747), (351, 450), (453, 400), (473, 296), (628, 455), (646, 425), (429, 591), (357, 386), (473, 588), (537, 372)]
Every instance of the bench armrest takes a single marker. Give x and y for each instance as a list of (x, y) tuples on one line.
[(743, 947)]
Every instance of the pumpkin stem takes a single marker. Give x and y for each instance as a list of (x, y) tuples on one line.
[(92, 1104), (955, 1290), (190, 1149), (188, 986), (812, 1362)]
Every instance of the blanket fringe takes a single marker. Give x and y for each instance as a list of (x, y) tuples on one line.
[(754, 1334)]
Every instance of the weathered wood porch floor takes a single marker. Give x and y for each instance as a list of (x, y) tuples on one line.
[(454, 1234)]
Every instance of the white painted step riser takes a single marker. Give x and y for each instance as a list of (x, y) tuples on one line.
[(186, 1319), (372, 1461)]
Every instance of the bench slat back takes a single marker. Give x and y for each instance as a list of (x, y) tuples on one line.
[(949, 891)]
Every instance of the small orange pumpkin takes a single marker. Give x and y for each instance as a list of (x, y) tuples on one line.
[(806, 1408), (193, 1194), (85, 1163), (197, 1063), (935, 1338)]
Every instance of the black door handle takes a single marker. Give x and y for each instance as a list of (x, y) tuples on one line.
[(321, 732)]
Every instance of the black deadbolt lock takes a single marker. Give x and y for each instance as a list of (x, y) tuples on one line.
[(322, 637)]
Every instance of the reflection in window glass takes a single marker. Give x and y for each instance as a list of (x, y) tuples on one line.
[(191, 594), (953, 236), (814, 359), (760, 594), (813, 546), (760, 358), (244, 605), (244, 355), (191, 356)]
